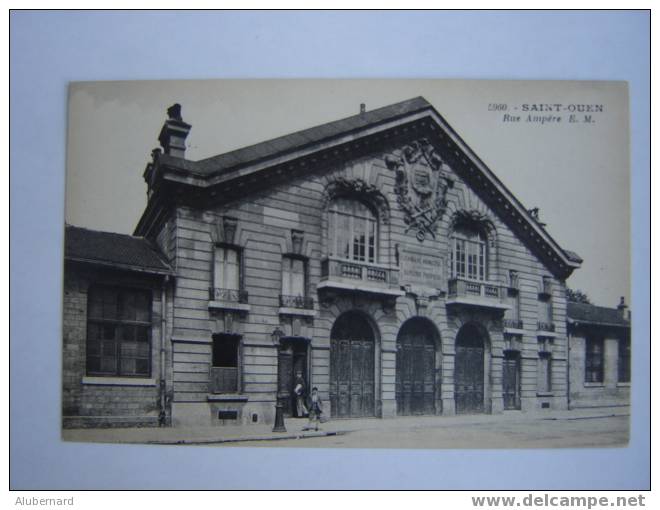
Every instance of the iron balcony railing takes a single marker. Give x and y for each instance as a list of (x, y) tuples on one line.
[(230, 295), (348, 269), (460, 287), (304, 302), (546, 326), (513, 323)]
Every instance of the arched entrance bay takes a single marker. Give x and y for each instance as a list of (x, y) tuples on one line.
[(415, 368), (352, 377), (469, 372)]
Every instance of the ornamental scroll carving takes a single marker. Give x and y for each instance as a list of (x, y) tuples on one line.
[(359, 189), (422, 182)]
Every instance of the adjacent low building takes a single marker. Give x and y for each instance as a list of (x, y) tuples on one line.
[(375, 257), (113, 370), (599, 343)]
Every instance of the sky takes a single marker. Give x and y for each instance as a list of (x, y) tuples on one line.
[(576, 173)]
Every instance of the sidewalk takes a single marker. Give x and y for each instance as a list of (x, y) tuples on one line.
[(233, 434)]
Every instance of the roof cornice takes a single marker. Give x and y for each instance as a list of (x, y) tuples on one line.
[(231, 182)]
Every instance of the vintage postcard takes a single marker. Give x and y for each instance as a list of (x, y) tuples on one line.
[(348, 263)]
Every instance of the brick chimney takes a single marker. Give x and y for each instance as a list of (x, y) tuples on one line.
[(174, 132), (623, 308)]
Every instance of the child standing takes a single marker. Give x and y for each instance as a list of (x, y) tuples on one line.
[(315, 408)]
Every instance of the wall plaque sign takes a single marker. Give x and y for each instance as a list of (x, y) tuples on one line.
[(421, 269)]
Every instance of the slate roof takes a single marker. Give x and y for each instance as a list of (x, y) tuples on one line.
[(592, 314), (300, 139), (119, 250), (233, 162)]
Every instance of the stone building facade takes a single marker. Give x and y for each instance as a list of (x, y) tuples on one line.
[(375, 257)]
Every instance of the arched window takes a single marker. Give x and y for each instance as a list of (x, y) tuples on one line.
[(469, 254), (352, 231)]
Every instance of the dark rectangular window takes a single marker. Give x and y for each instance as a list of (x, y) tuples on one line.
[(226, 362), (594, 360), (118, 332), (624, 360)]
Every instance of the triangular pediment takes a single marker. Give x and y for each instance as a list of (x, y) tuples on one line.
[(230, 175)]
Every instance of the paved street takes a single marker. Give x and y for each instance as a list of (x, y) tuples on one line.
[(481, 432), (513, 429)]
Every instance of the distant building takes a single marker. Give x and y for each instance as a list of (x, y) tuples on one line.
[(375, 257)]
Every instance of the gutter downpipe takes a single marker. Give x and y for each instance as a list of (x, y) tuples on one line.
[(568, 364), (162, 417)]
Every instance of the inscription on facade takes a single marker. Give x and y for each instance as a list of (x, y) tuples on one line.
[(421, 269)]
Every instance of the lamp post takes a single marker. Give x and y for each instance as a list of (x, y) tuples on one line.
[(279, 405)]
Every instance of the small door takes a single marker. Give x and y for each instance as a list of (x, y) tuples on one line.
[(292, 359), (352, 383), (415, 369), (511, 380), (469, 371)]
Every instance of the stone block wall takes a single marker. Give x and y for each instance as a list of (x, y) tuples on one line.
[(104, 401)]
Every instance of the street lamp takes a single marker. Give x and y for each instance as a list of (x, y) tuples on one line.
[(276, 336)]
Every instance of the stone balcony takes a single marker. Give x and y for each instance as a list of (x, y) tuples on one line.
[(350, 275), (461, 291)]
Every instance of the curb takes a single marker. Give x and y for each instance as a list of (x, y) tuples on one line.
[(246, 438), (571, 418)]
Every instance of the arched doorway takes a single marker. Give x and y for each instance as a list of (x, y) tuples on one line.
[(469, 370), (415, 368), (352, 366)]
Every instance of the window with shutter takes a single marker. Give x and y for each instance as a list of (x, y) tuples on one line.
[(294, 285), (227, 278), (227, 268)]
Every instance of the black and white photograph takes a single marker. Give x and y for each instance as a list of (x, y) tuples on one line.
[(423, 264)]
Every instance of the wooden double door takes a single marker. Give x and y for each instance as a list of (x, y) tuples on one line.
[(469, 372), (415, 369), (352, 375)]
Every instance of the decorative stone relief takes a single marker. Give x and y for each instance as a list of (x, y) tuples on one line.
[(422, 182), (342, 186), (224, 231), (297, 237)]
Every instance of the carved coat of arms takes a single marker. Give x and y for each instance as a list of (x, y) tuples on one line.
[(421, 186)]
